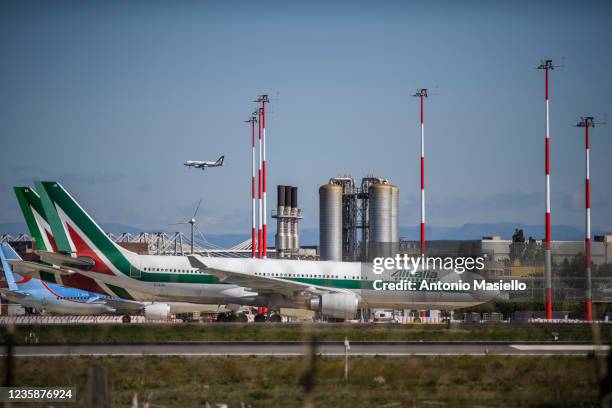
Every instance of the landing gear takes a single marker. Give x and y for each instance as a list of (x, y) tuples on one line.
[(276, 318), (126, 319)]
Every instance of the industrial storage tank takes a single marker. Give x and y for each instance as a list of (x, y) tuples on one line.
[(382, 214), (330, 222), (394, 213)]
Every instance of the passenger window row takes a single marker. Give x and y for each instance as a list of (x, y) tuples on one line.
[(191, 271), (302, 275)]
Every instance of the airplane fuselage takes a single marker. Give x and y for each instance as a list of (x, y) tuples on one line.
[(202, 164), (52, 302), (173, 278)]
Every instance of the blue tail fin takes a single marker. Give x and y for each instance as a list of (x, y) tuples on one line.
[(6, 253), (13, 280)]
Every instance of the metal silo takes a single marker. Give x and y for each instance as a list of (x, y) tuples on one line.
[(330, 222), (380, 220), (394, 213), (394, 220)]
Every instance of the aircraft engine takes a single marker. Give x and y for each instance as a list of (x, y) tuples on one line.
[(337, 305), (157, 311)]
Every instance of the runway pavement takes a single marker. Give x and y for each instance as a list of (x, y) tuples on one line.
[(287, 349)]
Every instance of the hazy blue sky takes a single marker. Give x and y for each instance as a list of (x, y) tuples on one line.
[(111, 97)]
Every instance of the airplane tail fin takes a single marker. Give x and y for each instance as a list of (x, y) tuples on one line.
[(220, 160), (6, 268), (78, 232), (36, 218), (13, 280)]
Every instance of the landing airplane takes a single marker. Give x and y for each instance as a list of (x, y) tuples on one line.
[(334, 289), (204, 164)]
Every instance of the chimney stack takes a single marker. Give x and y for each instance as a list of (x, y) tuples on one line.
[(281, 231), (293, 221), (287, 220)]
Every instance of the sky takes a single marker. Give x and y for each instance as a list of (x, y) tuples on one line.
[(110, 98)]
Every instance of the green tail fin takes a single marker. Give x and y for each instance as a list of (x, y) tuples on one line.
[(59, 233), (35, 217), (81, 233)]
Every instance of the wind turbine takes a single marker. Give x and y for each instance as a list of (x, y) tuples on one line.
[(191, 222)]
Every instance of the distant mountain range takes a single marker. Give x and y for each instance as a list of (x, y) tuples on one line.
[(310, 236)]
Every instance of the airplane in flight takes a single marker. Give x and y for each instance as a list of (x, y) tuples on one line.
[(197, 164)]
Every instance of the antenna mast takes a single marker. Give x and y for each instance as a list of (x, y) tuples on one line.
[(547, 65), (588, 122), (422, 93), (262, 126), (252, 120)]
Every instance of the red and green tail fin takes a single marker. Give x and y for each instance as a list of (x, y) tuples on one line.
[(76, 232)]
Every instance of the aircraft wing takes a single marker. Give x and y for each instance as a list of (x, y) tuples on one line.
[(13, 293), (263, 284), (33, 269), (126, 306)]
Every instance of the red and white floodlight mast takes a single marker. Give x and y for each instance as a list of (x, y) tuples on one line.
[(547, 65), (422, 93), (259, 192), (264, 99), (252, 120), (586, 122)]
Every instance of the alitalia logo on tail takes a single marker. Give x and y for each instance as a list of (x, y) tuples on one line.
[(77, 233)]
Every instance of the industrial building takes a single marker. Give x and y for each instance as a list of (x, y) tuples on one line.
[(601, 249), (568, 280), (358, 222)]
